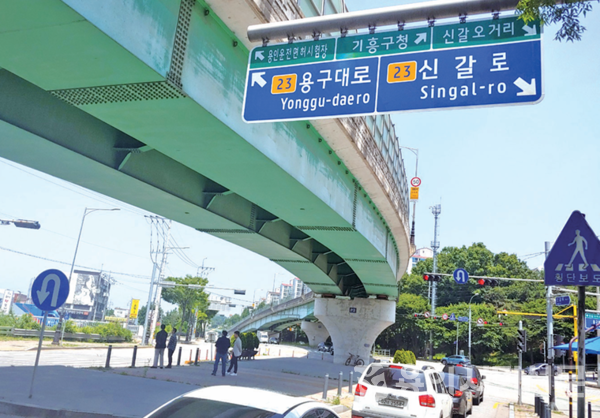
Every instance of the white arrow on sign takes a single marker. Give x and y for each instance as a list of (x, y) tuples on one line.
[(421, 37), (43, 293), (257, 78), (259, 55), (527, 89), (530, 31)]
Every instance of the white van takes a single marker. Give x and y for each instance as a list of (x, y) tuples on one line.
[(263, 336)]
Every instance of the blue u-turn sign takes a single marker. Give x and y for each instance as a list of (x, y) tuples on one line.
[(50, 290), (460, 276)]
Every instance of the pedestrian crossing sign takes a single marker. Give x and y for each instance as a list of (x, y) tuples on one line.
[(575, 256)]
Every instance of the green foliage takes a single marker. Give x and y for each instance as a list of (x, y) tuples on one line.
[(567, 14), (405, 357), (70, 327), (439, 356), (189, 300), (112, 329), (27, 322)]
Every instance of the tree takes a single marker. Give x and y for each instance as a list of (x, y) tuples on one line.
[(188, 300), (142, 314), (548, 12)]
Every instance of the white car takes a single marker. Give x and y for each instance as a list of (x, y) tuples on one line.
[(400, 390), (237, 401)]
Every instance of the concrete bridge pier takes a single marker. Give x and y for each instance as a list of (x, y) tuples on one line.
[(315, 331), (354, 324)]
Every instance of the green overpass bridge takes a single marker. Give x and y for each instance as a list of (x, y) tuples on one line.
[(141, 101)]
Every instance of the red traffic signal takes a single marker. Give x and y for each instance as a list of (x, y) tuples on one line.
[(500, 324), (426, 277), (487, 282), (481, 282)]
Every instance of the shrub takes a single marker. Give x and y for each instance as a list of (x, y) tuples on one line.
[(405, 357), (70, 327), (439, 356), (27, 322)]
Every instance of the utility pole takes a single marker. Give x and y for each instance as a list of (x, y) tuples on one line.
[(550, 350), (158, 287), (436, 210)]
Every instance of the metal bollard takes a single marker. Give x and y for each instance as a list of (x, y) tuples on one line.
[(537, 398), (547, 411), (207, 355), (325, 386), (179, 356), (107, 365), (134, 356), (190, 356), (542, 408), (340, 383), (197, 356), (589, 410), (350, 382)]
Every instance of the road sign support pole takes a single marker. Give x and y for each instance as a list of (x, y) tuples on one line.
[(520, 402), (581, 353), (436, 210), (37, 356), (550, 351), (457, 322)]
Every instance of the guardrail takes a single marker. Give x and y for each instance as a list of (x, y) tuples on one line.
[(50, 333)]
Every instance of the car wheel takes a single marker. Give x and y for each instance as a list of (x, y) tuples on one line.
[(536, 373), (444, 362), (481, 399), (476, 401)]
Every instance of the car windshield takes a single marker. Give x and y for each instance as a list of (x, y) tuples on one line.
[(396, 377), (187, 407), (461, 371)]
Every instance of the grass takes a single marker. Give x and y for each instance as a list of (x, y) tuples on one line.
[(336, 401)]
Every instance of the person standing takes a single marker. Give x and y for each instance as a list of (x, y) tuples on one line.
[(159, 348), (237, 352), (222, 346), (171, 346)]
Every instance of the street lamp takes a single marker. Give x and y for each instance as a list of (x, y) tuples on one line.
[(21, 223), (60, 329), (474, 294), (412, 231)]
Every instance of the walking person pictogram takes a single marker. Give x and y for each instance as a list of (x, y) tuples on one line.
[(579, 241)]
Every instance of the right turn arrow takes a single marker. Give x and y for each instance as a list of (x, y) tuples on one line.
[(527, 89)]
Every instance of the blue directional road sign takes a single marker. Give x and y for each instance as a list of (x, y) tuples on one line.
[(334, 88), (575, 256), (460, 276), (562, 301), (463, 77), (50, 290), (463, 319), (591, 319), (452, 317)]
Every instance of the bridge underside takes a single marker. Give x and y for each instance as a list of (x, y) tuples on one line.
[(133, 106)]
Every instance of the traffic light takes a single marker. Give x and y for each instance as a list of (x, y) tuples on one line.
[(487, 282), (432, 277), (522, 340)]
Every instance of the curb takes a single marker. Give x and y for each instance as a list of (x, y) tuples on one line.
[(40, 412)]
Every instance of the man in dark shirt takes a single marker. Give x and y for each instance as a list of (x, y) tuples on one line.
[(222, 345), (159, 348)]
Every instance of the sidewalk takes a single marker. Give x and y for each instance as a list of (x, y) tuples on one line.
[(124, 392)]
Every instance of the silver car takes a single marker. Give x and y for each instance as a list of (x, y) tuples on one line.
[(236, 401)]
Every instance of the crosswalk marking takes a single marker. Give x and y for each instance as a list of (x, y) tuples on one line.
[(581, 267)]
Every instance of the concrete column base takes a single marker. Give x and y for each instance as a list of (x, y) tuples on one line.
[(354, 324), (315, 331)]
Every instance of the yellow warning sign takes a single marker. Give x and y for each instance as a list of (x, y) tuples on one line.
[(414, 193)]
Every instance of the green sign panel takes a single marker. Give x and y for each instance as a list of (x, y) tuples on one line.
[(385, 43), (482, 32), (290, 54)]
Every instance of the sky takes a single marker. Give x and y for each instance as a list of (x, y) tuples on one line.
[(505, 176)]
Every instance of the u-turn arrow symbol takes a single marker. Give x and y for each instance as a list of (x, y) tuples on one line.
[(43, 293)]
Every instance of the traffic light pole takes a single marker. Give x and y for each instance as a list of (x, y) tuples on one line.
[(520, 402), (436, 210)]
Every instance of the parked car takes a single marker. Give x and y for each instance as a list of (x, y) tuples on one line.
[(401, 391), (462, 397), (474, 379), (540, 369), (273, 340), (326, 347), (237, 401), (456, 360)]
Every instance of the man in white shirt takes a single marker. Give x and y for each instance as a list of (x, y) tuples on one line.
[(237, 352)]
